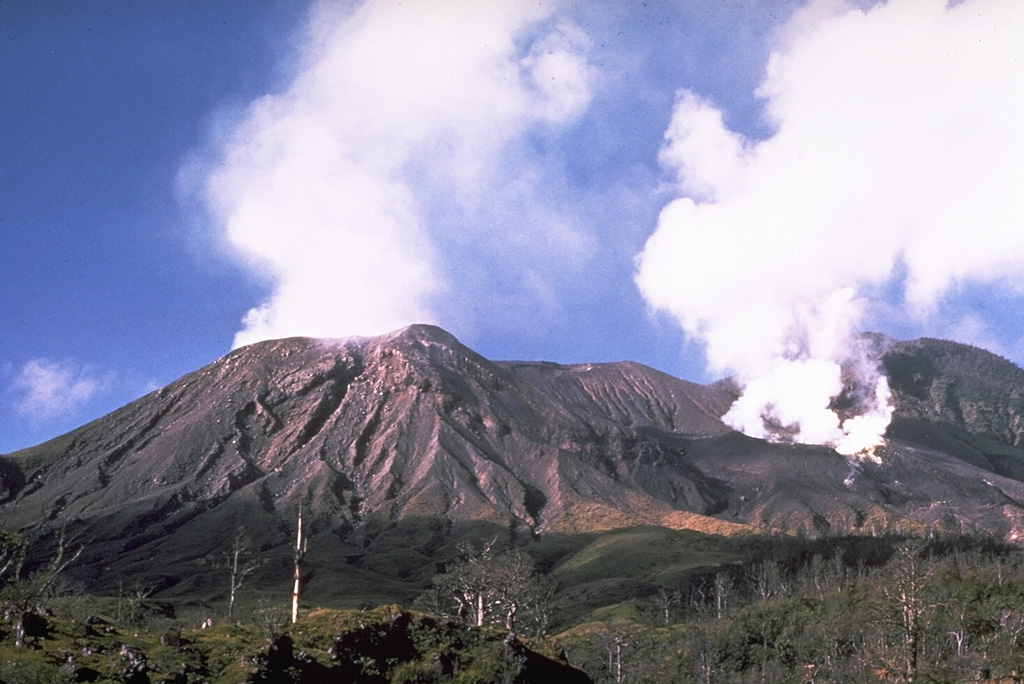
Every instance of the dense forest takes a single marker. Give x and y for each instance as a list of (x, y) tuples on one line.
[(789, 609)]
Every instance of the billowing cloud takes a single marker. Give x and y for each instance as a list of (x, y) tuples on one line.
[(896, 164), (46, 389), (399, 146)]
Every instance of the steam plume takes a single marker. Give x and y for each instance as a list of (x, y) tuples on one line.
[(897, 163), (352, 188)]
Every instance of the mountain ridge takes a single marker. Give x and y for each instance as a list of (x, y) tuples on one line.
[(397, 445)]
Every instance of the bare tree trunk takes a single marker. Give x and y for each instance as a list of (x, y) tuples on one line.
[(510, 617), (705, 656), (19, 632), (723, 588), (300, 552), (905, 591), (618, 661), (234, 583)]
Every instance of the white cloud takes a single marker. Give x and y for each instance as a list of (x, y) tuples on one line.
[(397, 144), (897, 152), (46, 389)]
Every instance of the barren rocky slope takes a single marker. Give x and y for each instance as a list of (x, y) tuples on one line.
[(397, 445)]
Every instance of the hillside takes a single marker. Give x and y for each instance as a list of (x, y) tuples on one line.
[(398, 446)]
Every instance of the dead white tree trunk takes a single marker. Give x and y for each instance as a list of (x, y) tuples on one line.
[(239, 567), (300, 553)]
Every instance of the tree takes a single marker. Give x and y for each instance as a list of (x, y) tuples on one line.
[(239, 565), (665, 600), (130, 607), (1011, 624), (618, 643), (300, 553), (767, 579), (23, 598), (516, 586), (491, 587), (905, 603), (704, 651), (12, 554), (239, 562), (723, 589), (468, 582)]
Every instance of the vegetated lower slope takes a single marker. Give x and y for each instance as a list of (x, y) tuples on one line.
[(398, 446), (836, 609), (387, 644)]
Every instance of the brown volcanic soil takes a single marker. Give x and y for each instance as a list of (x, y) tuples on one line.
[(397, 446)]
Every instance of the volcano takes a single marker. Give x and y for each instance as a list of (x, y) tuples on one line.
[(398, 446)]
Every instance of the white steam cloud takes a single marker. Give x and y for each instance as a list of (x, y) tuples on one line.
[(897, 161), (353, 187)]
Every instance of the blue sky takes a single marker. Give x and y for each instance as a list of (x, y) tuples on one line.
[(680, 184)]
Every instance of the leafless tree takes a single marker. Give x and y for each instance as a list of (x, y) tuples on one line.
[(617, 642), (906, 604), (469, 584), (23, 598), (767, 579), (704, 653), (1011, 622), (240, 564), (665, 600), (515, 583), (723, 589), (698, 596), (959, 632), (492, 587), (12, 554)]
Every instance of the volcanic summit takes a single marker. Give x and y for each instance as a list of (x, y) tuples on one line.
[(397, 445)]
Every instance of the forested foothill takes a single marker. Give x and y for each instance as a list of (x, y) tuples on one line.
[(847, 609), (768, 608)]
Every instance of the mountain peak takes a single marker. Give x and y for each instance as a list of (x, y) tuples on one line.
[(411, 433), (423, 333)]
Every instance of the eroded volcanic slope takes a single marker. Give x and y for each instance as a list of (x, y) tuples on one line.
[(398, 444)]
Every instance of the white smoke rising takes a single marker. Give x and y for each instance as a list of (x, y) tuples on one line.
[(349, 188), (897, 161)]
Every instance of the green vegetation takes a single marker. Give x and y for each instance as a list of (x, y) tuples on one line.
[(655, 554), (645, 605), (834, 610), (387, 645)]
